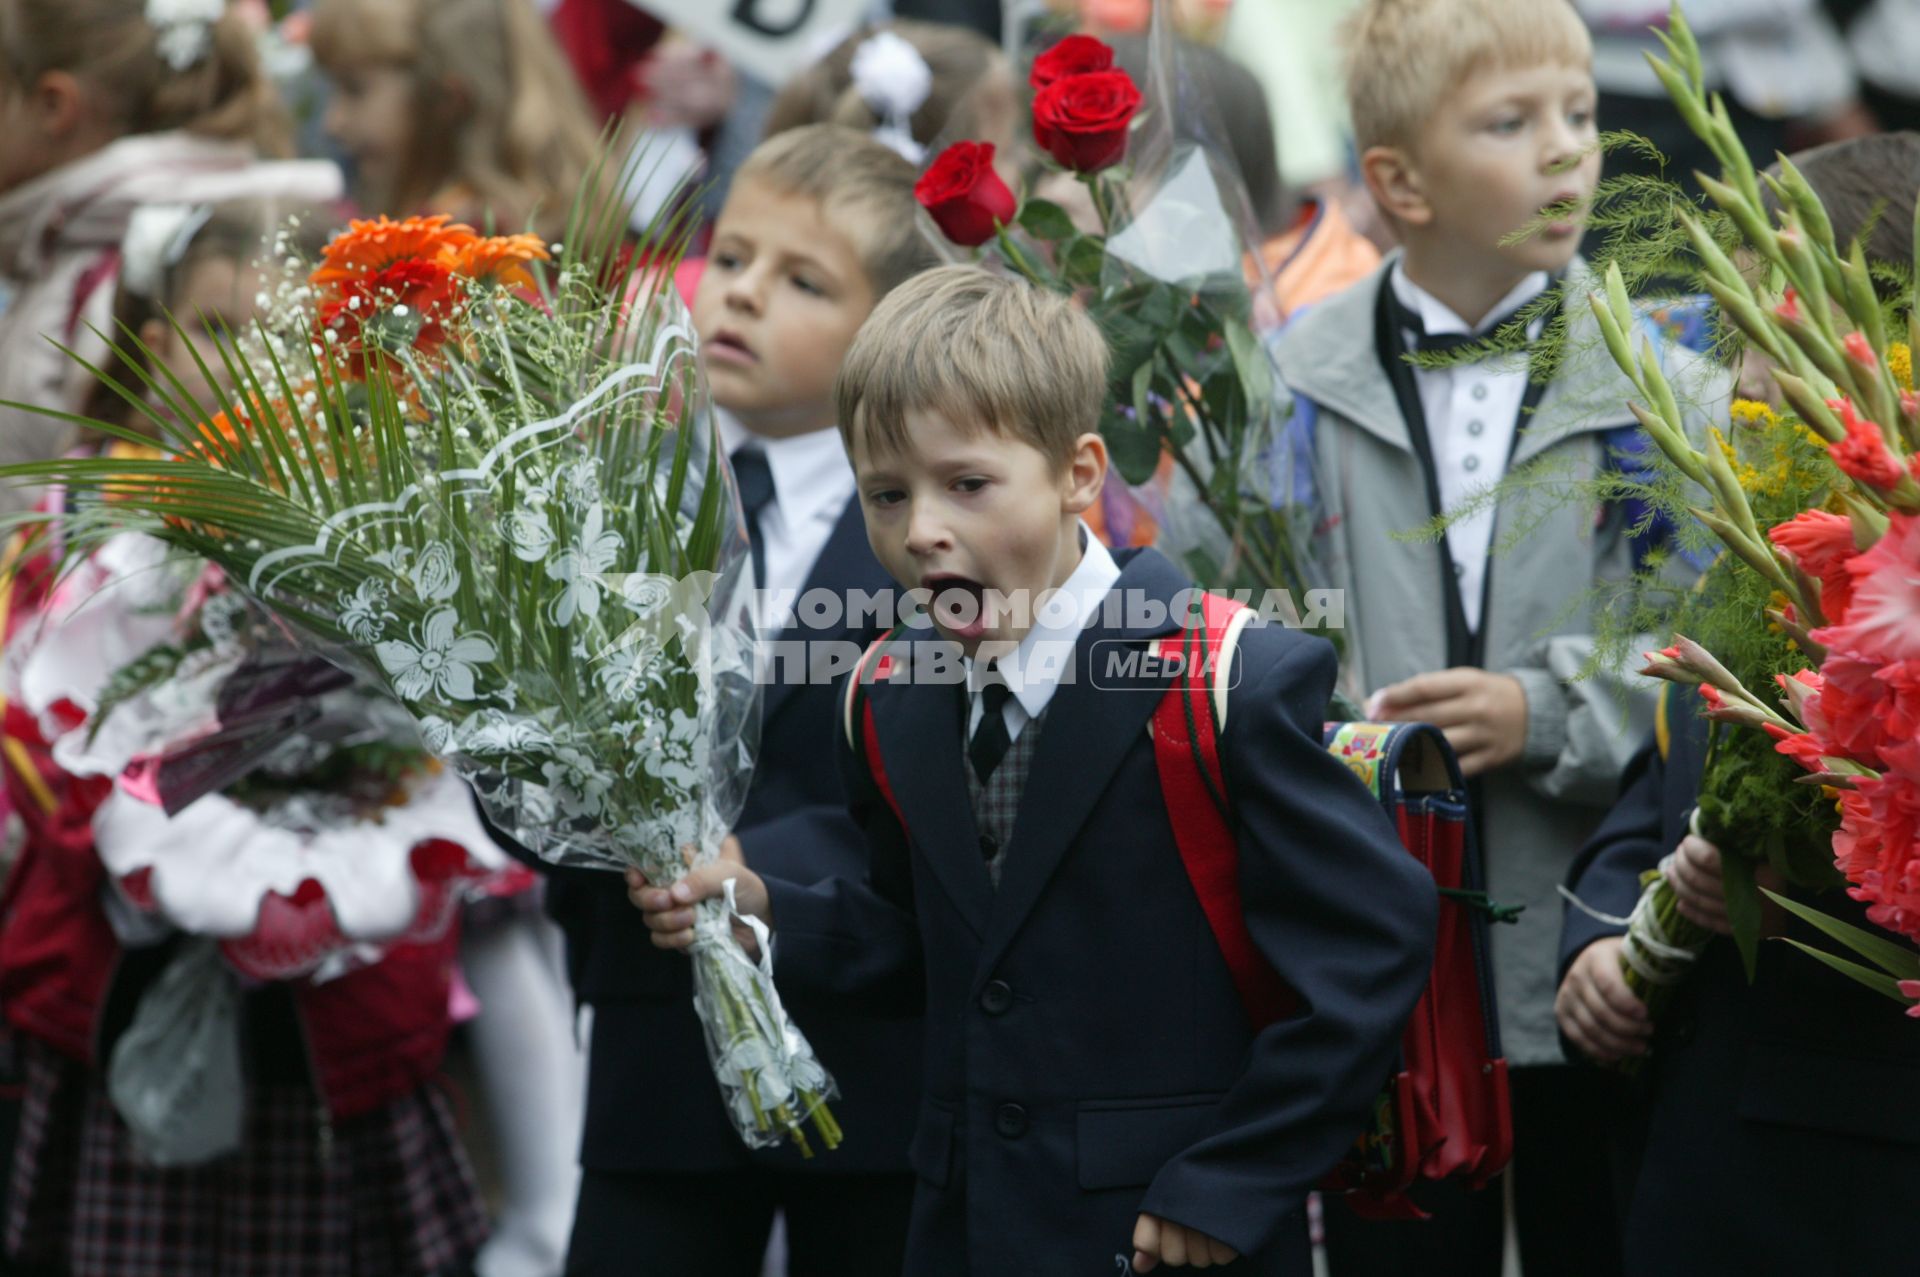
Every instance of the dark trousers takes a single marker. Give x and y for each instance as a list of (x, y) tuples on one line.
[(716, 1225), (1572, 1157)]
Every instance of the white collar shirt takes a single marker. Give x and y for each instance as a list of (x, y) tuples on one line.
[(812, 483), (1037, 665), (1472, 413)]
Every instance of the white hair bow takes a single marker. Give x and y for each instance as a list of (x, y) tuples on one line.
[(157, 238), (894, 80), (183, 29)]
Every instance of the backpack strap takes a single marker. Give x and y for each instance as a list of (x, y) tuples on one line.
[(1186, 751), (856, 718)]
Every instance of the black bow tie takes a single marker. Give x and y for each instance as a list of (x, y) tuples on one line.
[(1420, 341)]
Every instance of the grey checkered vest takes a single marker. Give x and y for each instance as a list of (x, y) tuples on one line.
[(996, 803)]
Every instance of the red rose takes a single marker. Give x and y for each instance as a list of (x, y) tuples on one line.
[(1075, 55), (1082, 121), (963, 193)]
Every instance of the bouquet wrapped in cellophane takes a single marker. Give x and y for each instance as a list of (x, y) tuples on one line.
[(1140, 214), (481, 471), (259, 798), (1808, 627)]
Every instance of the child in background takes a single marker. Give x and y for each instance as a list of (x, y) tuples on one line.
[(1096, 1099), (101, 110), (1476, 123), (1757, 1089), (464, 107), (350, 1163), (819, 225), (915, 85), (467, 107)]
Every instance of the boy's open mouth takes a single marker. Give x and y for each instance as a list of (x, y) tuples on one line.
[(958, 604), (729, 347)]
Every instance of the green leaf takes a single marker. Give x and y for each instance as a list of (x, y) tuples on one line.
[(1250, 358), (1889, 955), (1083, 260), (1046, 220), (1883, 984), (1743, 908)]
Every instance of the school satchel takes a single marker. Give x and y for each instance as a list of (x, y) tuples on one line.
[(1443, 1113)]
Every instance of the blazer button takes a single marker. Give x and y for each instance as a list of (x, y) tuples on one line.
[(997, 997), (989, 846), (1010, 1121)]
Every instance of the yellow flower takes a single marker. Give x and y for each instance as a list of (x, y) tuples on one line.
[(1900, 363), (1754, 413)]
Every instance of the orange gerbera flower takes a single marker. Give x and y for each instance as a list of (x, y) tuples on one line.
[(368, 247), (501, 259)]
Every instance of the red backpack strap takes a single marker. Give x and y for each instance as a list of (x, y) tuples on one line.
[(1186, 752), (857, 719)]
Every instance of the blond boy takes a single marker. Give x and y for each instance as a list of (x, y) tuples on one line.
[(817, 227), (1096, 1100), (1475, 124)]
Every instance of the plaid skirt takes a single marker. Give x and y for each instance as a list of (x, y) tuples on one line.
[(387, 1194)]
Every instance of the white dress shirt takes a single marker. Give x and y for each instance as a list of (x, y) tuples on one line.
[(812, 483), (1472, 412), (1033, 670)]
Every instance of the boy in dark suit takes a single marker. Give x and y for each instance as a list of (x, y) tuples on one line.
[(818, 226), (1096, 1098), (1773, 1142)]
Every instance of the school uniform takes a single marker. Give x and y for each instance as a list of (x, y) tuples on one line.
[(1512, 588), (1781, 1136), (1087, 1055), (667, 1182)]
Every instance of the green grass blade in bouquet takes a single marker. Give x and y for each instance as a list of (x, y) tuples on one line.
[(482, 472)]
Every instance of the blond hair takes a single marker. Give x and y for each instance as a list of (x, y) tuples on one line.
[(519, 136), (988, 352), (962, 63), (110, 45), (1404, 56), (861, 186)]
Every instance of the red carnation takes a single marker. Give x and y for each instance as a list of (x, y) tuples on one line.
[(1075, 55), (964, 195), (1821, 543), (1082, 121)]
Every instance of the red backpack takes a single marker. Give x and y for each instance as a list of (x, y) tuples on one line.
[(1443, 1113)]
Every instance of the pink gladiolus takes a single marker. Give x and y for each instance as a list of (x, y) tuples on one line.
[(1863, 454), (1860, 350)]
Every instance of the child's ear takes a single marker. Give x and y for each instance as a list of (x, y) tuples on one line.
[(1086, 474), (1395, 184), (59, 102)]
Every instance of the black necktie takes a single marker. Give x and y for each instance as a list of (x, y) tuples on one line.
[(755, 477), (990, 738)]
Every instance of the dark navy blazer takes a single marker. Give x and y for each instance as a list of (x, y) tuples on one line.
[(646, 1042), (1783, 1135), (1087, 1055)]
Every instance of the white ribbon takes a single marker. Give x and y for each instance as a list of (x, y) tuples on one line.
[(894, 80), (183, 29)]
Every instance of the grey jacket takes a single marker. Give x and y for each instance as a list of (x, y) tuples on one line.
[(1549, 554)]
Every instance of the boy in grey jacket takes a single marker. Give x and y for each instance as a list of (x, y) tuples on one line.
[(1475, 121)]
